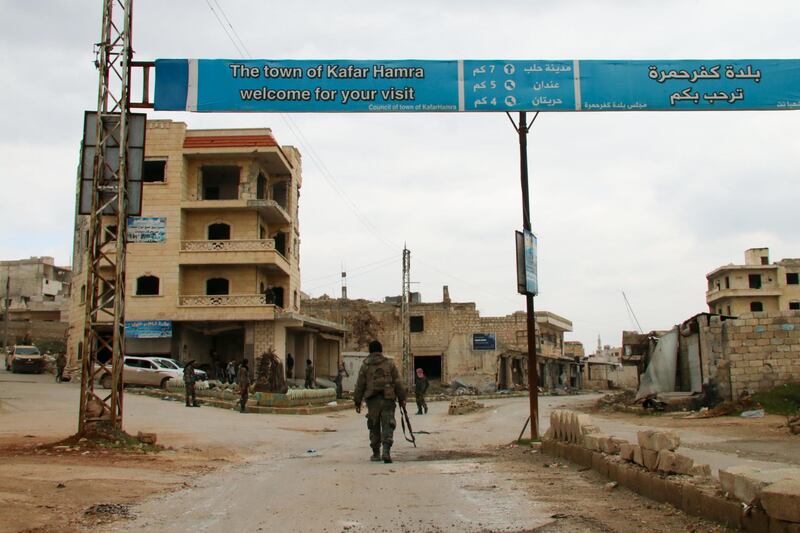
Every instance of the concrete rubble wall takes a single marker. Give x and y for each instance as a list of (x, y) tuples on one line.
[(746, 498)]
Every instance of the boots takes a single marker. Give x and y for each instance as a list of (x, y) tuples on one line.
[(376, 454), (426, 409), (419, 410), (385, 456)]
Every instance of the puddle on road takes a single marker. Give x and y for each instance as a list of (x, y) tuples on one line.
[(449, 455)]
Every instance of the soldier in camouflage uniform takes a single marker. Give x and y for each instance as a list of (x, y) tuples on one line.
[(189, 379), (379, 385), (243, 380)]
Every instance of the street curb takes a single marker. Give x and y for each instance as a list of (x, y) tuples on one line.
[(689, 498)]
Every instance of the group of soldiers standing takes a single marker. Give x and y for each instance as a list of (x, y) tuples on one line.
[(378, 385)]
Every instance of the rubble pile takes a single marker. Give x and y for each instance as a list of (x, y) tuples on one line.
[(794, 425), (463, 405)]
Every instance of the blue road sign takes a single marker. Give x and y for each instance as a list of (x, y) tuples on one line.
[(266, 85)]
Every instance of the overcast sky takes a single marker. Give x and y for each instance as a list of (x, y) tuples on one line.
[(645, 203)]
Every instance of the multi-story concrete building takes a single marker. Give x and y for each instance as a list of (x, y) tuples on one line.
[(213, 263), (38, 299), (451, 340), (756, 286)]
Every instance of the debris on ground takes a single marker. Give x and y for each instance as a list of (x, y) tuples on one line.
[(793, 424), (463, 405), (618, 401), (110, 510), (755, 413)]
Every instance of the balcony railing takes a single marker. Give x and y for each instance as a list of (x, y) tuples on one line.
[(254, 245), (226, 300)]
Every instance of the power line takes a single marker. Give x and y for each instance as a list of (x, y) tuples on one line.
[(354, 269), (336, 283)]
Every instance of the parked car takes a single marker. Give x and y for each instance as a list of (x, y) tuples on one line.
[(25, 359), (169, 362), (143, 371)]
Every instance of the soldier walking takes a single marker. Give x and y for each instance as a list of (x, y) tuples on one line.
[(309, 384), (420, 388), (339, 380), (243, 380), (379, 385), (61, 364), (189, 379)]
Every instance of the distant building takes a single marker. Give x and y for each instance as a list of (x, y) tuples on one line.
[(574, 349), (213, 263), (451, 340), (38, 298), (755, 286)]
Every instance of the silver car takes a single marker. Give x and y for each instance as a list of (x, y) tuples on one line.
[(144, 371)]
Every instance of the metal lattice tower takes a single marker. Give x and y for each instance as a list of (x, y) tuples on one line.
[(104, 326), (405, 315)]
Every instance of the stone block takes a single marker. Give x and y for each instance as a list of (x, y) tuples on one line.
[(716, 508), (755, 520), (650, 459), (690, 500), (637, 455), (592, 442), (658, 440), (583, 456), (146, 438), (548, 435), (627, 476), (674, 463), (781, 500), (745, 483), (607, 445), (781, 526), (599, 464), (626, 451), (701, 471), (666, 491), (615, 444), (581, 421)]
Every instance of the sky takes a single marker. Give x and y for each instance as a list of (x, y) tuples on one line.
[(642, 202)]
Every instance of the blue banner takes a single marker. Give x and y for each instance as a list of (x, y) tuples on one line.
[(484, 341), (147, 229), (148, 329), (265, 85), (531, 265)]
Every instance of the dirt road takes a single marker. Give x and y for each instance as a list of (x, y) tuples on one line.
[(233, 472)]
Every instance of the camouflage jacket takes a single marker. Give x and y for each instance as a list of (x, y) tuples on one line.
[(378, 375)]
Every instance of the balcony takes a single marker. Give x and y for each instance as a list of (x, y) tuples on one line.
[(716, 295), (270, 210), (234, 252), (225, 307)]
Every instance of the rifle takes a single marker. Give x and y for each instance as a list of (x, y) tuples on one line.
[(404, 420)]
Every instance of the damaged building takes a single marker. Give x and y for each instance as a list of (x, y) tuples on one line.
[(213, 262), (450, 340)]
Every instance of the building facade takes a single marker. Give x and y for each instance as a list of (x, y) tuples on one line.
[(450, 340), (38, 301), (213, 262), (756, 286)]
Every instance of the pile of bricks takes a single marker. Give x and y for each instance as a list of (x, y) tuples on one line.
[(463, 405)]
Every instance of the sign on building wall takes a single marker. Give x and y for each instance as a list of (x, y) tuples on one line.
[(267, 85), (148, 329), (147, 229), (527, 267), (484, 341)]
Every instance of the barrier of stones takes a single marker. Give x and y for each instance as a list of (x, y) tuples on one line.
[(746, 498)]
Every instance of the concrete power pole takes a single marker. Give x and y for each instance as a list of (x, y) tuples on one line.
[(7, 304), (405, 315)]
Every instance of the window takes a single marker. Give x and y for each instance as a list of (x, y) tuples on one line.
[(792, 278), (80, 350), (756, 307), (147, 286), (729, 310), (764, 260), (219, 232), (262, 232), (417, 324), (220, 182), (280, 194), (217, 286), (794, 306), (755, 281), (261, 187), (727, 282), (154, 171), (83, 293)]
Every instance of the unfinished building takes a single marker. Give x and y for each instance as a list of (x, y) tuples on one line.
[(213, 262)]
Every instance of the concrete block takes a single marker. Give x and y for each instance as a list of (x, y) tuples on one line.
[(592, 442), (599, 464), (674, 463), (637, 455), (650, 459), (745, 483), (690, 500), (666, 491), (581, 420), (781, 526), (583, 456), (548, 447), (717, 508), (658, 440), (627, 476), (755, 520), (700, 471), (607, 445), (626, 451), (549, 434), (781, 500)]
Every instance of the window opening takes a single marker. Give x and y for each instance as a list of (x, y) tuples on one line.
[(792, 278), (217, 286), (794, 306), (756, 307), (755, 281), (154, 171), (727, 282), (219, 232), (417, 324), (279, 194), (220, 182), (261, 187), (147, 286)]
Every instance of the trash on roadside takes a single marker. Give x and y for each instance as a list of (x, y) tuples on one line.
[(755, 413)]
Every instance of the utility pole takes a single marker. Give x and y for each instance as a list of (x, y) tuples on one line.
[(405, 314), (104, 323), (7, 304), (522, 128)]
